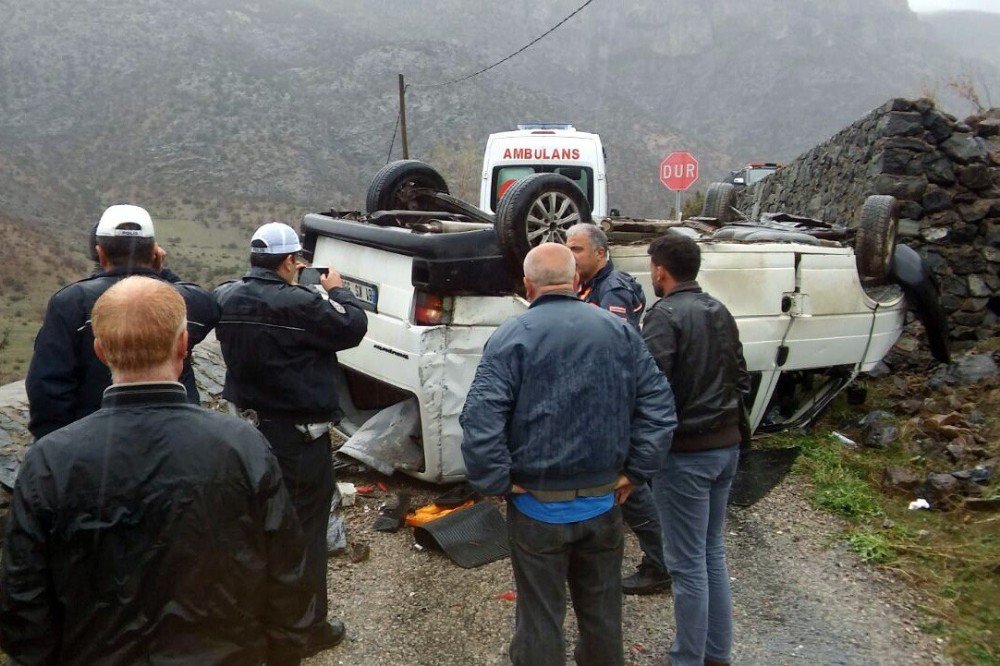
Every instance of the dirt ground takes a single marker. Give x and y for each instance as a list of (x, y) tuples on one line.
[(799, 596)]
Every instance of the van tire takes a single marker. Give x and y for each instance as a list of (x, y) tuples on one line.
[(875, 242), (719, 200), (542, 197), (389, 187)]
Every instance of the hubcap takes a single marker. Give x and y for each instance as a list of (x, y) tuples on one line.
[(549, 216)]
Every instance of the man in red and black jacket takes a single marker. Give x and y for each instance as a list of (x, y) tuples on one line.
[(620, 294)]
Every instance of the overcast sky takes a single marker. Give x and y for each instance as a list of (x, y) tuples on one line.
[(938, 5)]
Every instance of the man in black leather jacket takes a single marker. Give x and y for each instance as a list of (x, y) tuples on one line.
[(66, 380), (280, 342), (695, 342), (153, 530)]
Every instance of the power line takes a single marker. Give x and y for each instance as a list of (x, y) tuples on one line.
[(503, 60)]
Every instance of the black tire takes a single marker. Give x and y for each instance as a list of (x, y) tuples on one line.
[(719, 202), (535, 210), (875, 241), (390, 187)]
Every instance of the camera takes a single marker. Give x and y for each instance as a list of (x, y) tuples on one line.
[(310, 275)]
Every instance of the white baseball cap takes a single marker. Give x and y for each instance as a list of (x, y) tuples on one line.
[(125, 220), (275, 238)]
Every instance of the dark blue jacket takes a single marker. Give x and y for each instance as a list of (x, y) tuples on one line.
[(566, 396), (66, 380), (280, 342), (617, 292)]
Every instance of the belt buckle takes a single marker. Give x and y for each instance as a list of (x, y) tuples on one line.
[(313, 431)]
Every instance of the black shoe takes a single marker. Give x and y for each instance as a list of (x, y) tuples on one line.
[(328, 635), (646, 580)]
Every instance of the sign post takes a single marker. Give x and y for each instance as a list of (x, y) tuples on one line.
[(678, 172)]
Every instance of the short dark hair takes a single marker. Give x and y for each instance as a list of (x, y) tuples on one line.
[(127, 251), (267, 261), (679, 254)]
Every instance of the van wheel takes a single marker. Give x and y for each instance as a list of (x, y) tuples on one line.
[(392, 188), (719, 202), (538, 209), (875, 241)]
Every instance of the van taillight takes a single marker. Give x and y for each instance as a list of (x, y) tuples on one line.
[(431, 309)]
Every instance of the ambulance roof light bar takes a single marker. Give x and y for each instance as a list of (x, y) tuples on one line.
[(534, 125)]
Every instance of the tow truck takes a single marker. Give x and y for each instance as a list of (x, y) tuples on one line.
[(816, 303)]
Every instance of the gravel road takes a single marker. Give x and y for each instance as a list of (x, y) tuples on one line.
[(800, 597)]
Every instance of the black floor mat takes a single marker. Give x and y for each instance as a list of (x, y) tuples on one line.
[(760, 470), (470, 537)]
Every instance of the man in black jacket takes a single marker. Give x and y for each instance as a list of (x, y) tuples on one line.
[(696, 344), (66, 380), (280, 342), (153, 530), (619, 293), (565, 424)]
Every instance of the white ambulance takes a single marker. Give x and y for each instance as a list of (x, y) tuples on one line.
[(544, 148), (815, 303)]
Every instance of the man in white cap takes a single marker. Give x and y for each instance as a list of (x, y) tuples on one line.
[(280, 341), (66, 380)]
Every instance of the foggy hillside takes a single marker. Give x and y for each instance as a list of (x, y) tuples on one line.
[(216, 108), (976, 37)]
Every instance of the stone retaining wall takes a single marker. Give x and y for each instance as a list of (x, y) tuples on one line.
[(946, 175)]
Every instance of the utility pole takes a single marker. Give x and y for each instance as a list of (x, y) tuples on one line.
[(402, 118)]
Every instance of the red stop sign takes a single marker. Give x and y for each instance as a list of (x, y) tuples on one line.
[(679, 170)]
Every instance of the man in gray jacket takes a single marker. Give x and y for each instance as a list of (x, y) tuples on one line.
[(564, 425), (694, 340)]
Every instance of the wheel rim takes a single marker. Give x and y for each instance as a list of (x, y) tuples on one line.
[(549, 216)]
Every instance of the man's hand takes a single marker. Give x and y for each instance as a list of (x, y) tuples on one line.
[(517, 490), (331, 280), (159, 256), (622, 489)]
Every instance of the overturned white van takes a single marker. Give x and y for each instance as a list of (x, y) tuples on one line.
[(815, 303)]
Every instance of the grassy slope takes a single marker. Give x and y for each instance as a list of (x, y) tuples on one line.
[(952, 556)]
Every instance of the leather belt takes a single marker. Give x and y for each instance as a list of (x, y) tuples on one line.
[(573, 493)]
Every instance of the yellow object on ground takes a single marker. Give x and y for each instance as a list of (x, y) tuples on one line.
[(429, 512)]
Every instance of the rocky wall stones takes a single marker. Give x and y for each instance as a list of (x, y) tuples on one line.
[(946, 175)]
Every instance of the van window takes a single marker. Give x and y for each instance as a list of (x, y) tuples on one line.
[(505, 176)]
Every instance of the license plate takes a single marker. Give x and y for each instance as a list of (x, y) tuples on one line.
[(365, 292)]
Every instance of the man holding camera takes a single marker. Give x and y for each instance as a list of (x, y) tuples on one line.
[(66, 380), (280, 342)]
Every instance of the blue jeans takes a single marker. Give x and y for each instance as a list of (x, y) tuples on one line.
[(545, 556), (691, 493)]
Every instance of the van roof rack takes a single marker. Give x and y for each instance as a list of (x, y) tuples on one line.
[(534, 125)]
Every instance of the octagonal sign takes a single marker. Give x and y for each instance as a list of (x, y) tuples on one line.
[(678, 170)]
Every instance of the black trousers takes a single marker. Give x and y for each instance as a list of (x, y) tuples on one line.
[(308, 472), (640, 513), (545, 556)]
